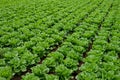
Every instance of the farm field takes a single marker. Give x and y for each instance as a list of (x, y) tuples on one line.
[(59, 39)]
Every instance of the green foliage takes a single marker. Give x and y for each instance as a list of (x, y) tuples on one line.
[(30, 77), (51, 77), (40, 70), (6, 72), (63, 71), (60, 39), (70, 63)]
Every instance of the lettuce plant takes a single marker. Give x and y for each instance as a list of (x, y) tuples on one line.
[(6, 72), (40, 70), (63, 72), (30, 77)]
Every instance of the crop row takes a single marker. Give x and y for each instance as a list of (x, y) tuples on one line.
[(102, 61)]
